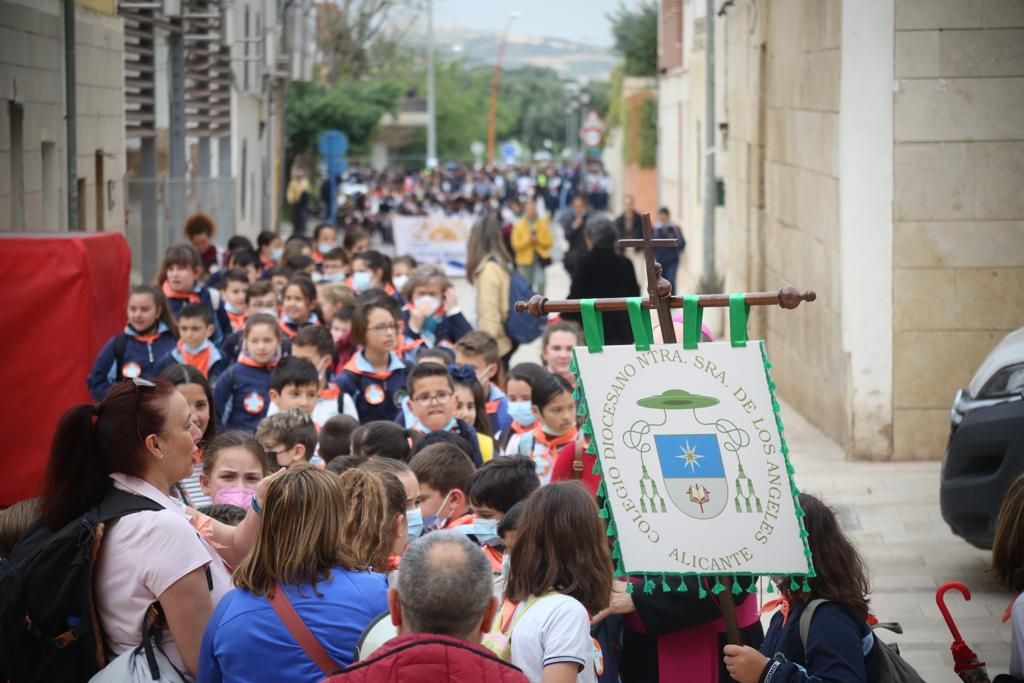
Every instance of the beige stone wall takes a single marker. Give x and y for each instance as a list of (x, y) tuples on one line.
[(794, 238), (32, 75), (958, 246)]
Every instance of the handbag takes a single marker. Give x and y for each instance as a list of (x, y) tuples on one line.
[(146, 663), (301, 633)]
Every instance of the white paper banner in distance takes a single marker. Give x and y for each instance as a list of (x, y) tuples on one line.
[(692, 460), (434, 239)]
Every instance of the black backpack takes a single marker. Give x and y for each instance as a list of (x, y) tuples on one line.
[(49, 630)]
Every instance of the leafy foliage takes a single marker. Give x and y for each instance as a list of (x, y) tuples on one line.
[(354, 107), (636, 38)]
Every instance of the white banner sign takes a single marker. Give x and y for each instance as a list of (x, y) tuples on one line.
[(692, 460), (434, 239)]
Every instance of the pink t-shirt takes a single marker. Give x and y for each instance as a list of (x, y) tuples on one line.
[(141, 556)]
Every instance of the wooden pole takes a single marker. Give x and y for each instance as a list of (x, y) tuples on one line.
[(659, 297)]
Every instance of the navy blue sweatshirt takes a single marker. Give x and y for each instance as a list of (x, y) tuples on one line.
[(373, 392), (242, 395), (141, 355), (840, 648)]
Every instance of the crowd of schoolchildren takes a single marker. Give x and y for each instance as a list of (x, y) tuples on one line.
[(298, 413)]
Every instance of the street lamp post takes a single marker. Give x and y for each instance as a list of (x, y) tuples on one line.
[(431, 110), (492, 118)]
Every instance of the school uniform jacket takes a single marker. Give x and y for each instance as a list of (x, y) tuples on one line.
[(373, 392), (497, 409), (242, 394), (210, 361), (141, 354), (231, 347), (439, 329), (290, 328), (199, 295), (229, 320)]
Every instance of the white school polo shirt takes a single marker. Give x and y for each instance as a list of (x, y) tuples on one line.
[(556, 628)]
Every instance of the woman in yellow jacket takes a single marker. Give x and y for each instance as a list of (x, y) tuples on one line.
[(531, 241), (488, 267)]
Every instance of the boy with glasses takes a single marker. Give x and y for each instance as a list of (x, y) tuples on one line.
[(432, 402)]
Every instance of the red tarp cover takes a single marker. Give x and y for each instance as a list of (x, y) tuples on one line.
[(65, 296)]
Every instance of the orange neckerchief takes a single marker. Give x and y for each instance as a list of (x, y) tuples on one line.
[(785, 604), (331, 391), (200, 361), (553, 443), (248, 361), (147, 338), (192, 297), (237, 320), (1008, 612)]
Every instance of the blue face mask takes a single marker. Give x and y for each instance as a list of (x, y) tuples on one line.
[(485, 530), (325, 248), (415, 519), (521, 412), (361, 280), (276, 254), (333, 277), (434, 522)]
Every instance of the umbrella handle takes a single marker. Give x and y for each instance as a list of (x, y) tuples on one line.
[(940, 600)]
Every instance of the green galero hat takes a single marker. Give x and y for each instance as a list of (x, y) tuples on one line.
[(677, 399)]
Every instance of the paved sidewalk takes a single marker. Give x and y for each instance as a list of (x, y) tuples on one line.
[(892, 512)]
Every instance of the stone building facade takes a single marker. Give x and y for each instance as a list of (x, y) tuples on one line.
[(874, 151)]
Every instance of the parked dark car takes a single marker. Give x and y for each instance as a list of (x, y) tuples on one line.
[(986, 443)]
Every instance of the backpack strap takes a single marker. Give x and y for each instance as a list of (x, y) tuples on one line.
[(300, 632), (805, 619), (577, 460), (120, 346), (525, 446), (118, 503)]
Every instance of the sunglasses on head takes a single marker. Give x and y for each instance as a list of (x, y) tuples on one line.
[(140, 383)]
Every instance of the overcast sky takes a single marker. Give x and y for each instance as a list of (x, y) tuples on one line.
[(579, 20)]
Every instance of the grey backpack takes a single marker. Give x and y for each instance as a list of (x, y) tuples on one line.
[(892, 668)]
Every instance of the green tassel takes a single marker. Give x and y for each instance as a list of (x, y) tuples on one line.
[(611, 528), (629, 587), (603, 513), (736, 590), (753, 586), (592, 447), (682, 585), (771, 586), (616, 553), (793, 585), (601, 490), (648, 585), (664, 585), (806, 586), (597, 467), (718, 587), (701, 593)]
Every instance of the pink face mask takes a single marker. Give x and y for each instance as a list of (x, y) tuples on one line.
[(234, 495)]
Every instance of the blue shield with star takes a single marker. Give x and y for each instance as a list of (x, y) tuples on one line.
[(694, 473)]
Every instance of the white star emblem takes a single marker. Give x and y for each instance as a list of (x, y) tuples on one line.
[(690, 457)]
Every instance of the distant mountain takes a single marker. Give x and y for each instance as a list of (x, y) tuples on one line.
[(578, 61)]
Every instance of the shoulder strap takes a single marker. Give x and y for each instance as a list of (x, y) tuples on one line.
[(120, 345), (118, 503), (214, 298), (301, 633), (805, 619), (525, 446), (577, 460)]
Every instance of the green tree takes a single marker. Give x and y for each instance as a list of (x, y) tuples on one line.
[(635, 32), (353, 107)]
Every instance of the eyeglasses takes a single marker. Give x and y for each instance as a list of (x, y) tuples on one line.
[(140, 383), (440, 398), (384, 329)]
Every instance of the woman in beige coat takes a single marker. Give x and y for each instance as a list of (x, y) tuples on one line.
[(487, 269)]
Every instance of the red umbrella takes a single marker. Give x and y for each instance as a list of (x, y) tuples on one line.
[(965, 661)]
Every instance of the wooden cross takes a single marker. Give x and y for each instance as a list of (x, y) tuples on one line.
[(659, 290), (659, 297)]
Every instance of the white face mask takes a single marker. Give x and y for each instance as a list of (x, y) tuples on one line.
[(433, 301), (399, 281)]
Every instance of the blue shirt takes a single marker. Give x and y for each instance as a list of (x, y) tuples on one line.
[(245, 641)]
